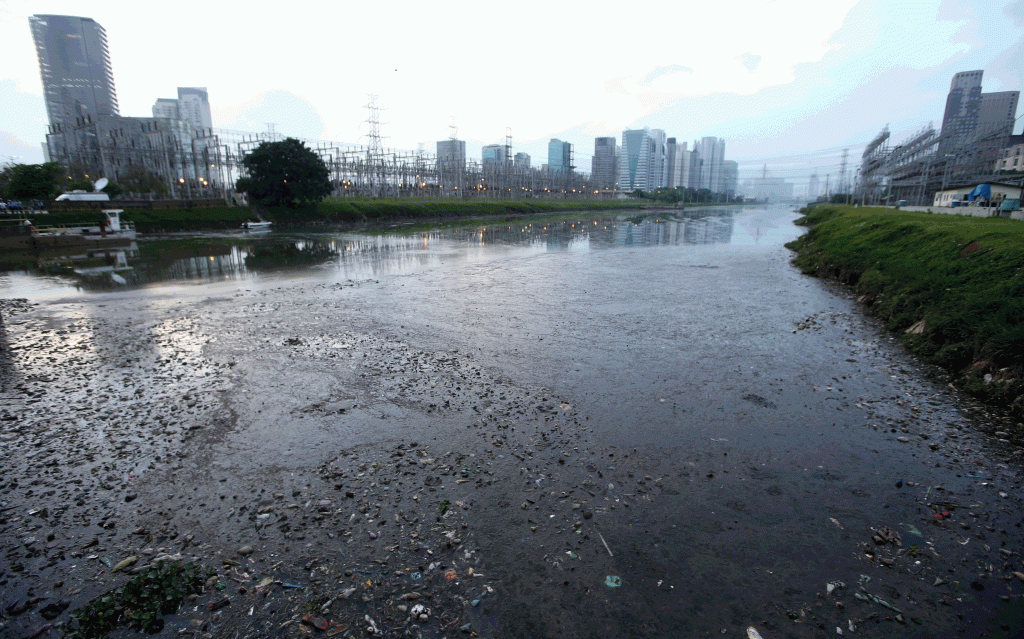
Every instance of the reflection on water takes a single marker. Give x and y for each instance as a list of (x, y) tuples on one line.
[(249, 259)]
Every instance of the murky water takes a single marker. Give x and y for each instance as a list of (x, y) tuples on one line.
[(734, 423), (226, 261)]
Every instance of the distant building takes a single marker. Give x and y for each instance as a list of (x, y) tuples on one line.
[(712, 153), (165, 109), (604, 165), (451, 154), (493, 155), (962, 105), (559, 156), (635, 160), (194, 107), (75, 67), (521, 161), (451, 165), (695, 169), (658, 161), (813, 187), (677, 164), (975, 129), (730, 177), (972, 116), (78, 83)]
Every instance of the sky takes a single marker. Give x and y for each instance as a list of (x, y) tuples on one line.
[(789, 84)]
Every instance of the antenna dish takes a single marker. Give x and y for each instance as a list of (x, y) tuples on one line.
[(100, 183)]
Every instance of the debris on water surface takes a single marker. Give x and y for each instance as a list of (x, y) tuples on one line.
[(612, 581)]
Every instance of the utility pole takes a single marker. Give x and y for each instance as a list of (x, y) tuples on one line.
[(842, 171), (507, 165)]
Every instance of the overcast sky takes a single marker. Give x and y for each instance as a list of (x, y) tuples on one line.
[(790, 83)]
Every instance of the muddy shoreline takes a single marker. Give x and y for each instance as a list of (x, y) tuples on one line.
[(331, 462)]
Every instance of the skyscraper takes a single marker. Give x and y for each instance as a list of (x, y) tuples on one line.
[(451, 165), (658, 160), (493, 155), (677, 164), (559, 156), (961, 115), (74, 63), (635, 160), (975, 126), (712, 152), (603, 169), (194, 107)]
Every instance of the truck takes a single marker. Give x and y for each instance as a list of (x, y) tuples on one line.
[(83, 196)]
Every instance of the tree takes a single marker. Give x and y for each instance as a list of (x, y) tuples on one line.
[(113, 189), (284, 174), (140, 181), (33, 181)]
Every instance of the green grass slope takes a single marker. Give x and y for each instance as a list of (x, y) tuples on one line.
[(951, 287)]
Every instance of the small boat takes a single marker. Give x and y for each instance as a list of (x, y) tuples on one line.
[(256, 226), (112, 232)]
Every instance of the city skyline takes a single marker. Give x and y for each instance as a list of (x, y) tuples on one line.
[(793, 104)]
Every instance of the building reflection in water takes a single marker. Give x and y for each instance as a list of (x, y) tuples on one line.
[(350, 256)]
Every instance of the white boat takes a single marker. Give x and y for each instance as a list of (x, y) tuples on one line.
[(113, 230), (256, 226)]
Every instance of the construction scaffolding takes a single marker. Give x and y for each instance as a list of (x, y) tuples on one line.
[(874, 165)]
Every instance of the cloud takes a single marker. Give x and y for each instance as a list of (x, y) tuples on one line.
[(616, 85), (23, 120), (14, 149), (750, 60), (659, 71), (291, 115)]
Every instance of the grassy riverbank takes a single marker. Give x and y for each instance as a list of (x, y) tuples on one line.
[(366, 209), (342, 211), (951, 287)]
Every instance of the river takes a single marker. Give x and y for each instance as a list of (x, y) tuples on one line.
[(707, 438)]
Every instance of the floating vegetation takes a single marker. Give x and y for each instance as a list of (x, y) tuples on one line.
[(141, 603)]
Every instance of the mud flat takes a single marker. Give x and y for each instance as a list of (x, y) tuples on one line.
[(354, 459)]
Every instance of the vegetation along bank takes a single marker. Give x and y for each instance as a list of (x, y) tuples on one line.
[(950, 287), (350, 212)]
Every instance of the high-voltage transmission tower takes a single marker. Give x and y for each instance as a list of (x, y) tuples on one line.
[(842, 172), (507, 166), (374, 149)]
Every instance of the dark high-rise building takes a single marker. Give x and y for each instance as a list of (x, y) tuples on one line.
[(603, 169), (973, 117), (962, 105), (75, 67), (451, 165)]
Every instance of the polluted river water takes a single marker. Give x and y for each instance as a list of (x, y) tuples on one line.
[(601, 426)]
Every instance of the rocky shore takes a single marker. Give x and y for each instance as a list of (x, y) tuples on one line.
[(333, 478)]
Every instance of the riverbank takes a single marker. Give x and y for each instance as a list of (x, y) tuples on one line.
[(951, 288), (345, 212)]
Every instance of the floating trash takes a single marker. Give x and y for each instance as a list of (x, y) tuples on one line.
[(612, 581)]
